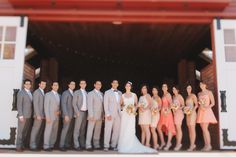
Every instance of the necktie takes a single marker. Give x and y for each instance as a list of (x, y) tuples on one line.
[(30, 95)]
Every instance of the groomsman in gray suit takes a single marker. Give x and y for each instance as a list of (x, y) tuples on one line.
[(95, 116), (67, 113), (112, 99), (39, 116), (52, 112), (80, 109), (24, 108)]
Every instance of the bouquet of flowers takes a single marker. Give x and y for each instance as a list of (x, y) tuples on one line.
[(142, 105), (130, 109), (154, 111), (174, 107), (187, 110), (202, 103), (166, 111)]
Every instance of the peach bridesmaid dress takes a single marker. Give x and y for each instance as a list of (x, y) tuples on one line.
[(205, 115), (178, 114), (144, 117), (191, 118), (155, 118), (166, 120)]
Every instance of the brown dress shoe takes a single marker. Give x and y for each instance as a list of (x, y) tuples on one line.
[(19, 149)]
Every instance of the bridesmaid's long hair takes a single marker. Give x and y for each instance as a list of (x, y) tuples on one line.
[(142, 86), (177, 88), (157, 88)]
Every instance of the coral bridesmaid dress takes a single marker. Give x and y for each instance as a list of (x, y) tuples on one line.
[(166, 120)]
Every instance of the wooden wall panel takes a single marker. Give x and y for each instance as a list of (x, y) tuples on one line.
[(29, 73)]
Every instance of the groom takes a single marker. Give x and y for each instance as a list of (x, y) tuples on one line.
[(112, 100)]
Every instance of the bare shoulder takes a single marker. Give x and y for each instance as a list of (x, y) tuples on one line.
[(193, 96), (168, 95), (210, 92), (135, 95)]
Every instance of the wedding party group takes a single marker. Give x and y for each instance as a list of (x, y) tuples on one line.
[(158, 114)]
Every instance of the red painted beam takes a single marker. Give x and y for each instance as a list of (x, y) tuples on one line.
[(50, 12), (121, 19), (110, 4)]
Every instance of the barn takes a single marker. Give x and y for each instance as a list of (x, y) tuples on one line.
[(144, 41)]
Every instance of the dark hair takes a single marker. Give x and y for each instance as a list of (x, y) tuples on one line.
[(203, 82), (55, 82), (164, 83), (97, 81), (42, 81), (69, 82), (114, 80), (27, 80), (156, 87), (144, 85), (130, 83), (176, 87), (82, 80)]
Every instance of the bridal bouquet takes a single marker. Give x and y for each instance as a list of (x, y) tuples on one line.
[(142, 105), (187, 110), (202, 103), (130, 109), (174, 107), (166, 111), (154, 111)]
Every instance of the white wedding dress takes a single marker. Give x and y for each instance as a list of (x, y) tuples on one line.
[(128, 142)]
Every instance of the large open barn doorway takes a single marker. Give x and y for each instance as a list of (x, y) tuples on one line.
[(141, 53)]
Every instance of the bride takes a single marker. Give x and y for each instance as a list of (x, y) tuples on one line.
[(128, 142)]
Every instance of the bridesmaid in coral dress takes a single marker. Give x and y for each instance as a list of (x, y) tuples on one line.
[(178, 103), (191, 117), (166, 123), (205, 114)]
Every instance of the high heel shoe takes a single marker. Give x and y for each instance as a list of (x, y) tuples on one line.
[(156, 147), (178, 147), (167, 147), (192, 148), (208, 148), (162, 146)]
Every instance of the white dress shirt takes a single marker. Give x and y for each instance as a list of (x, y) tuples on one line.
[(41, 90), (57, 95), (29, 93), (71, 91), (116, 94), (84, 105), (98, 92)]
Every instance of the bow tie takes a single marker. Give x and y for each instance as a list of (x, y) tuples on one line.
[(115, 90)]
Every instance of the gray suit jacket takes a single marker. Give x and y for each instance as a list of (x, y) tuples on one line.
[(66, 104), (38, 101), (77, 101), (24, 104), (111, 105), (95, 105), (51, 105)]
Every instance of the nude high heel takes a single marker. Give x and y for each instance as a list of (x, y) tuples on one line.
[(208, 148), (192, 148), (156, 147), (162, 146), (178, 147), (167, 147)]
